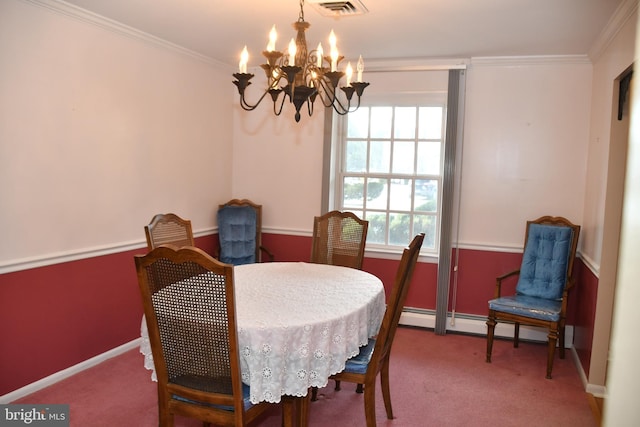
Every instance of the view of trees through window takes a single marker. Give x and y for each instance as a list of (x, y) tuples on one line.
[(391, 172)]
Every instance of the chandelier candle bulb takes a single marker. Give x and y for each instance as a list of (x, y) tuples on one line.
[(319, 53), (273, 36), (333, 51), (349, 73), (244, 59), (292, 52), (360, 68)]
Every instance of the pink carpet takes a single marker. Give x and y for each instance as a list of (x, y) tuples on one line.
[(435, 381)]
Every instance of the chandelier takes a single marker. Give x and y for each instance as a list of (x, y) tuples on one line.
[(303, 76)]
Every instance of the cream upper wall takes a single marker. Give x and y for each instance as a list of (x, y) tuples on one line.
[(99, 132), (617, 57), (278, 162), (525, 145)]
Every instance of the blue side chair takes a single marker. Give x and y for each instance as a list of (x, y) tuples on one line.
[(240, 233), (544, 279)]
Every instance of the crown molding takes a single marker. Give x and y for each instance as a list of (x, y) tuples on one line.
[(516, 61), (63, 8), (625, 11)]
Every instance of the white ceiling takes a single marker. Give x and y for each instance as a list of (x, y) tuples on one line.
[(392, 29)]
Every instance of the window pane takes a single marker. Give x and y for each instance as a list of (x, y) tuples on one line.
[(356, 156), (377, 227), (426, 224), (390, 170), (381, 122), (429, 157), (377, 193), (399, 225), (403, 152), (358, 123), (400, 195), (405, 122), (380, 156), (353, 195), (426, 195), (430, 123)]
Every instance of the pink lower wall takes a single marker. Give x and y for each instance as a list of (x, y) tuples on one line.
[(57, 316)]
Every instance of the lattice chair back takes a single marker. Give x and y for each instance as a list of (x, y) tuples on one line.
[(339, 238), (169, 229)]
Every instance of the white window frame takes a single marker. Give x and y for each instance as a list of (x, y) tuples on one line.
[(339, 144)]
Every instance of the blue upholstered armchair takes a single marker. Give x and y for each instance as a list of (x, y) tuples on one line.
[(240, 232), (544, 279)]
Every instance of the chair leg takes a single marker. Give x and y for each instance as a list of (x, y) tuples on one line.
[(516, 335), (337, 386), (386, 392), (165, 417), (370, 403), (553, 338), (314, 394), (561, 335), (491, 325), (360, 388), (303, 416)]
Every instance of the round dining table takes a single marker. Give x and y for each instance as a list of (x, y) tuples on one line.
[(297, 324)]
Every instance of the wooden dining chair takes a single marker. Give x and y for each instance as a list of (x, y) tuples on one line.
[(189, 307), (339, 238), (373, 359), (168, 228), (240, 232), (544, 280)]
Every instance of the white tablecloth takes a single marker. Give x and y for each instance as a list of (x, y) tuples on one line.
[(298, 323)]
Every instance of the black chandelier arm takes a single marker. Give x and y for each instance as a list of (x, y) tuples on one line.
[(277, 111), (330, 99), (248, 107)]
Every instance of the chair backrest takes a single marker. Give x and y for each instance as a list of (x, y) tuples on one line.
[(547, 262), (189, 305), (240, 232), (339, 238), (395, 304), (168, 229)]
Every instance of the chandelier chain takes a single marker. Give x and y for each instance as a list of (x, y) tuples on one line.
[(301, 15)]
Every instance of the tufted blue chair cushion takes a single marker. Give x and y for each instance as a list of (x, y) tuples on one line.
[(246, 398), (543, 273), (237, 234), (358, 364), (537, 308)]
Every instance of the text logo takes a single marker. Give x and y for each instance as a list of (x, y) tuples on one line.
[(34, 415)]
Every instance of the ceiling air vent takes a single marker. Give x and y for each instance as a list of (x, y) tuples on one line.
[(339, 8)]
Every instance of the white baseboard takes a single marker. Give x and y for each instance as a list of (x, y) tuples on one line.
[(65, 373), (477, 325)]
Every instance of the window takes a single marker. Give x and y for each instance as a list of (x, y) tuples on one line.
[(389, 171)]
